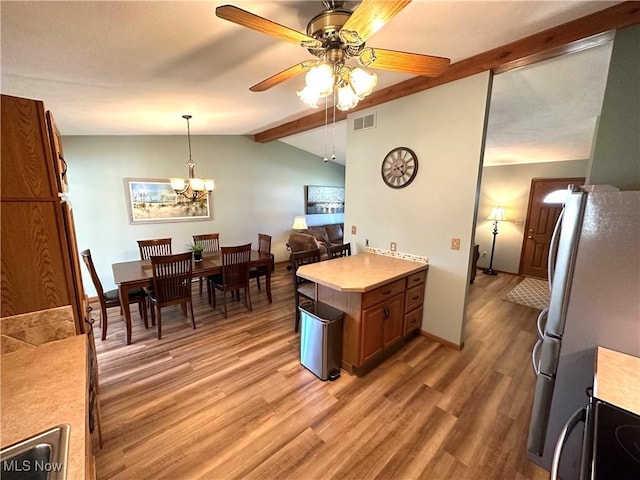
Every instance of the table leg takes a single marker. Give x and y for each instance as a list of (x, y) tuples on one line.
[(123, 292)]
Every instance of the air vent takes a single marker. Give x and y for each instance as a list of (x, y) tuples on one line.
[(363, 123)]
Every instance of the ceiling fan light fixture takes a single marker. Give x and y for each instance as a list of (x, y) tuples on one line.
[(363, 82), (309, 96), (347, 98), (320, 79)]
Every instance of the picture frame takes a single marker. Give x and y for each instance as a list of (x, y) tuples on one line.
[(152, 200), (323, 199)]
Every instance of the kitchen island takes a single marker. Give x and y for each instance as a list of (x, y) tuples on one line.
[(382, 300)]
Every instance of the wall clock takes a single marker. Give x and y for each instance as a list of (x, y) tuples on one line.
[(399, 167)]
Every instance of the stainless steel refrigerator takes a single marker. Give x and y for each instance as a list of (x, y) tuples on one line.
[(594, 269)]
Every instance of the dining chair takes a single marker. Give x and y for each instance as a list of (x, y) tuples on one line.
[(336, 251), (264, 246), (211, 243), (235, 275), (171, 285), (301, 286), (156, 246), (111, 298)]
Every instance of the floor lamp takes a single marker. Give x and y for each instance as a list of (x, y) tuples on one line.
[(497, 215)]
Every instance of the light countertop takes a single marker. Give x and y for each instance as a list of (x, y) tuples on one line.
[(617, 379), (359, 273), (44, 387)]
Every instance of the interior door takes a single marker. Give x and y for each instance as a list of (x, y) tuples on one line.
[(541, 219)]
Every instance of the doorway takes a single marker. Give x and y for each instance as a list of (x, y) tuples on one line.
[(541, 220)]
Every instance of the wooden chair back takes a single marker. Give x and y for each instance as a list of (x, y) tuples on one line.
[(264, 246), (172, 278), (88, 261), (302, 258), (336, 251), (111, 298), (264, 243), (301, 286), (154, 247), (171, 285), (235, 267), (210, 241)]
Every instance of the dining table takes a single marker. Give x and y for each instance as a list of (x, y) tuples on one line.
[(136, 274)]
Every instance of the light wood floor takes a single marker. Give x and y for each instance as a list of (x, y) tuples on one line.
[(231, 400)]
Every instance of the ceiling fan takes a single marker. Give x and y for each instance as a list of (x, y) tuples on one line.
[(334, 36)]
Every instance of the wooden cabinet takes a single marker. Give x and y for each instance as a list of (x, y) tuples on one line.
[(381, 327), (377, 321), (414, 299), (40, 265)]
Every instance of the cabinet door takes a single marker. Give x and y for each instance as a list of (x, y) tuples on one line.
[(382, 326), (34, 271), (372, 334), (27, 168), (394, 322)]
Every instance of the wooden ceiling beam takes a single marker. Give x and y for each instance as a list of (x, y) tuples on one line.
[(612, 18)]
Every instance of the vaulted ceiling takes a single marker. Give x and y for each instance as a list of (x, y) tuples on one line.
[(134, 68)]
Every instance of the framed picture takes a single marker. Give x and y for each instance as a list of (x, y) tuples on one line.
[(320, 199), (154, 201)]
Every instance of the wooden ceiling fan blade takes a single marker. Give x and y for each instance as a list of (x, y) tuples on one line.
[(371, 15), (282, 76), (415, 63), (260, 24)]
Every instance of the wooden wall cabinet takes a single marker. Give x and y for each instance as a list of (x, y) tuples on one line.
[(40, 262)]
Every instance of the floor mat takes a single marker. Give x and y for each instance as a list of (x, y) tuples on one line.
[(532, 292)]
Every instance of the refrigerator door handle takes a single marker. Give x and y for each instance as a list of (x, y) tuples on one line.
[(553, 249), (534, 354), (578, 417), (541, 317)]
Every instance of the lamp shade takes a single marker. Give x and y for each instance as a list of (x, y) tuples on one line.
[(497, 214), (299, 223)]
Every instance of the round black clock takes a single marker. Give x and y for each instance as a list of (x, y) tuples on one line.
[(399, 167)]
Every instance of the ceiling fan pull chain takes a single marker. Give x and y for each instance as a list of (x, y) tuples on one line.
[(333, 155), (326, 129)]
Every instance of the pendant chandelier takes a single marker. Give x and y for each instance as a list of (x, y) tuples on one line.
[(332, 75), (192, 188)]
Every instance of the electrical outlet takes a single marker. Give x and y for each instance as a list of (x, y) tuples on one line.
[(455, 244), (366, 242), (354, 229), (394, 246)]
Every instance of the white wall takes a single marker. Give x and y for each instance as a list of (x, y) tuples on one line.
[(259, 189), (445, 127), (509, 186)]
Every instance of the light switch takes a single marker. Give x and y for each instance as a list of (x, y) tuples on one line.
[(354, 229), (455, 244)]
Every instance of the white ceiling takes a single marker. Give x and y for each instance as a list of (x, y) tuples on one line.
[(134, 68)]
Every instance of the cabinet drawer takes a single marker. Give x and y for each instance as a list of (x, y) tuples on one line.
[(412, 321), (414, 298), (382, 293), (416, 278)]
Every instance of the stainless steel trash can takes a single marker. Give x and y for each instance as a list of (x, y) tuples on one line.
[(321, 339)]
